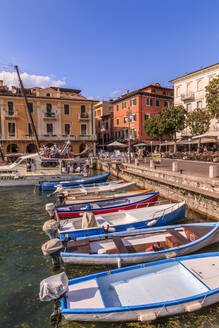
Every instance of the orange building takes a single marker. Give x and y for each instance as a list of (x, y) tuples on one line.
[(137, 106), (59, 114)]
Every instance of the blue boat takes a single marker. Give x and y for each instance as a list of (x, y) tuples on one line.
[(142, 292), (53, 184), (145, 217)]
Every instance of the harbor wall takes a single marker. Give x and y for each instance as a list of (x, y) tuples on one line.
[(201, 195)]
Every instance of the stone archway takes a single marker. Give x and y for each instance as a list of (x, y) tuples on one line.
[(12, 148), (31, 148)]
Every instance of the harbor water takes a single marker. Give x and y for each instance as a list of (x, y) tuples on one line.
[(22, 267)]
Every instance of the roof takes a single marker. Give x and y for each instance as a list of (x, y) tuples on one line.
[(198, 70), (66, 90), (140, 92)]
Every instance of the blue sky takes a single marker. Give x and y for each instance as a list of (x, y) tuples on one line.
[(105, 47)]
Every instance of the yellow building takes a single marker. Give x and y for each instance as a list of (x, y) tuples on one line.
[(59, 114), (104, 121)]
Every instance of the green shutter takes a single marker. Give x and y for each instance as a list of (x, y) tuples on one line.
[(134, 101)]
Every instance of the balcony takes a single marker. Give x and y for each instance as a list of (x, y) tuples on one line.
[(83, 116), (64, 137), (11, 114), (49, 116), (190, 96)]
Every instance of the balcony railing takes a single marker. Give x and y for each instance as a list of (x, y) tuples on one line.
[(67, 137), (11, 114), (188, 96), (49, 115), (83, 116)]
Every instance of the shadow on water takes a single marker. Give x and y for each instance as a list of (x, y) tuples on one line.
[(22, 267)]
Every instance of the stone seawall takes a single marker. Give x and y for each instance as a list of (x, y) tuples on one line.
[(200, 194)]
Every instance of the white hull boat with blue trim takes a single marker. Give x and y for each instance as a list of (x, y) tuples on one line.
[(139, 246), (143, 292), (145, 217)]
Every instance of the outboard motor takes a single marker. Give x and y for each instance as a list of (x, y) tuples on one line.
[(54, 288), (53, 248), (50, 228), (50, 208)]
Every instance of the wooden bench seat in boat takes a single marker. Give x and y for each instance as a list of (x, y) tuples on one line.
[(176, 239), (79, 246), (194, 233), (135, 248), (119, 244)]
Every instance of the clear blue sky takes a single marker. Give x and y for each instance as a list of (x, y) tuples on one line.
[(103, 46)]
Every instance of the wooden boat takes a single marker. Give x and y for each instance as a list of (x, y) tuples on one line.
[(51, 185), (139, 218), (91, 189), (93, 198), (107, 206), (142, 292), (139, 246)]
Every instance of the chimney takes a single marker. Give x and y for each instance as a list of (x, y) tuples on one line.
[(58, 93)]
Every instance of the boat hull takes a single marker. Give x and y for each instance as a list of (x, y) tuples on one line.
[(150, 201), (179, 213), (135, 258)]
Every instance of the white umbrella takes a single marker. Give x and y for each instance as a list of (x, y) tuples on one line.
[(117, 144)]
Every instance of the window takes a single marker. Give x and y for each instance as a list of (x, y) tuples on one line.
[(124, 105), (117, 107), (164, 93), (83, 129), (48, 108), (83, 109), (30, 131), (134, 117), (149, 101), (199, 104), (99, 112), (66, 109), (11, 129), (171, 94), (48, 94), (177, 91), (117, 121), (30, 108), (133, 102), (157, 103), (153, 91), (49, 128), (125, 119), (147, 116), (67, 129), (10, 108), (118, 134), (199, 85), (188, 107), (166, 104), (133, 133)]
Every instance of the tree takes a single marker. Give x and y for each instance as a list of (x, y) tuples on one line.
[(212, 97), (198, 122), (173, 120)]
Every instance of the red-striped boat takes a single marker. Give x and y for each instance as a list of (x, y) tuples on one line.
[(107, 206)]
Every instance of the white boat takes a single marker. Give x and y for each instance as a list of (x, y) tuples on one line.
[(143, 292), (42, 168), (146, 217), (87, 190), (138, 246)]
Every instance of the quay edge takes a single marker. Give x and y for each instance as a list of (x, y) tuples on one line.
[(200, 196)]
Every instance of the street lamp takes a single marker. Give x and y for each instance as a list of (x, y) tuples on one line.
[(166, 145), (189, 145), (103, 130), (129, 117)]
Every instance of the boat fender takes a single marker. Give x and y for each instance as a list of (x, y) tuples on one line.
[(119, 262), (50, 208), (193, 307), (101, 251), (111, 229), (151, 223), (148, 316)]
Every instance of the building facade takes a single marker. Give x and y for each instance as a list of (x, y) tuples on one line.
[(132, 109), (59, 114), (104, 122), (189, 91)]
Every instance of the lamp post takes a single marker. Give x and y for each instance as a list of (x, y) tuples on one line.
[(189, 145), (166, 145), (102, 131), (129, 117)]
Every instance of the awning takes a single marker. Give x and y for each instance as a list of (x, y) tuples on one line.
[(141, 145), (117, 144)]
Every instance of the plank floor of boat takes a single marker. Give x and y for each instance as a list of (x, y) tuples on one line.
[(147, 285)]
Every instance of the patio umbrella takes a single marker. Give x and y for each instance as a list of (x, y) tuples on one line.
[(141, 145), (117, 144)]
